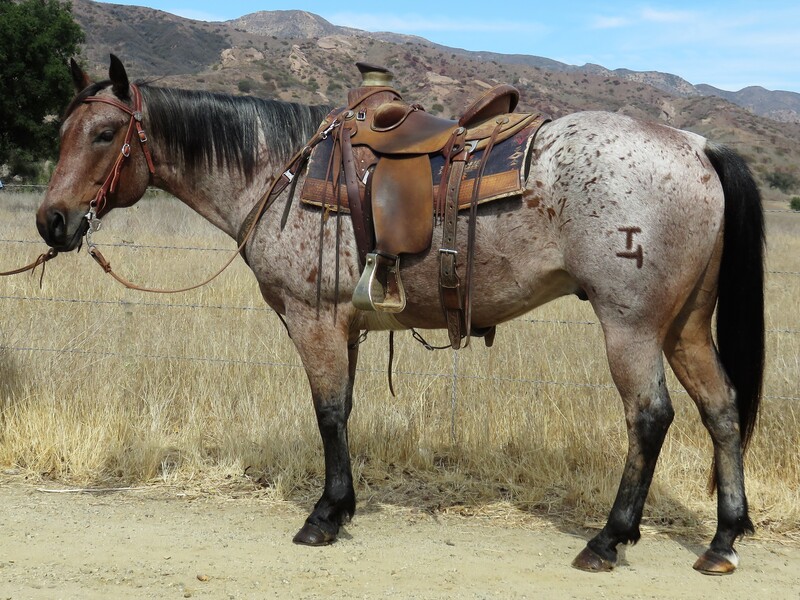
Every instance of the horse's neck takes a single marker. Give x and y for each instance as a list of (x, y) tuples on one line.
[(220, 195)]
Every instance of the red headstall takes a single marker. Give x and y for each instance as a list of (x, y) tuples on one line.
[(110, 184)]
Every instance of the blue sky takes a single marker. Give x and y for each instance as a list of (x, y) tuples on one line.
[(728, 44)]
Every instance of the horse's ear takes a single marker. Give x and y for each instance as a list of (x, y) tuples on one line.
[(119, 78), (79, 76)]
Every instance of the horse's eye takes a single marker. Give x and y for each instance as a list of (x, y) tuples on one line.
[(105, 136)]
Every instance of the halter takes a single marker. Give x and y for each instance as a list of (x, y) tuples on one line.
[(110, 184)]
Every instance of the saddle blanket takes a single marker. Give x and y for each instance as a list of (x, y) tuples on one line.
[(503, 175)]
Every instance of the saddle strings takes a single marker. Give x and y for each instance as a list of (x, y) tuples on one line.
[(473, 215)]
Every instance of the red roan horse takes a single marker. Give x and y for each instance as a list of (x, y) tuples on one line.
[(656, 227)]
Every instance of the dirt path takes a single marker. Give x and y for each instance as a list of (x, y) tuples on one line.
[(162, 544)]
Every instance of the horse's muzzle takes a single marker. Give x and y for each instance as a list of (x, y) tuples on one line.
[(61, 230)]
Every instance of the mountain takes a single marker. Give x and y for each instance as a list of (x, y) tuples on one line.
[(299, 56), (175, 45), (777, 105), (288, 24)]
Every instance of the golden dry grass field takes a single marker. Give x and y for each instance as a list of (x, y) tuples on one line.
[(104, 386)]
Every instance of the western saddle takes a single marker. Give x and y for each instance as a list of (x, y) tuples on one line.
[(377, 165)]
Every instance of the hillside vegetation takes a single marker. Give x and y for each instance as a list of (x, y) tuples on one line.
[(294, 55)]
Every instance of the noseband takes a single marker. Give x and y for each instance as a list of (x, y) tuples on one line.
[(110, 184)]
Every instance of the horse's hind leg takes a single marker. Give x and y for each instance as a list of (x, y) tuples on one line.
[(693, 358), (329, 357), (635, 358)]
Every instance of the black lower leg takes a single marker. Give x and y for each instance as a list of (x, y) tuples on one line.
[(732, 510), (337, 504), (645, 438)]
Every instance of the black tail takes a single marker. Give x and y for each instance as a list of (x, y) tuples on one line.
[(740, 308)]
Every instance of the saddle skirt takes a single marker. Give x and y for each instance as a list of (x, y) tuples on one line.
[(503, 174)]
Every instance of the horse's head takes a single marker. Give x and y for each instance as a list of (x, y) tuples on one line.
[(103, 163)]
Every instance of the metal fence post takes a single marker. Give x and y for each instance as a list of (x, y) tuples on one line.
[(454, 398)]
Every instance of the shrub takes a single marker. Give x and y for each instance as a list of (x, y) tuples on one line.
[(782, 180), (794, 203)]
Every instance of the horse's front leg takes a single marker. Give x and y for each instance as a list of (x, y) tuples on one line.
[(638, 372), (329, 355)]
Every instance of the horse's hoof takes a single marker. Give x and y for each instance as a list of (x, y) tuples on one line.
[(589, 560), (311, 535), (717, 563)]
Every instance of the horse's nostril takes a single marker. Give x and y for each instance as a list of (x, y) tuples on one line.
[(56, 225), (53, 228)]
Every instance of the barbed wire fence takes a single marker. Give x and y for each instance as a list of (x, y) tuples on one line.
[(453, 375)]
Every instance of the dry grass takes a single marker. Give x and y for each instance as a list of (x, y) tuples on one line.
[(100, 384)]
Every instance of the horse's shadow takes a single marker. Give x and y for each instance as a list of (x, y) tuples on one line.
[(432, 496)]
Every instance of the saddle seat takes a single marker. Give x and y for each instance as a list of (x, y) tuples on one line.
[(397, 127)]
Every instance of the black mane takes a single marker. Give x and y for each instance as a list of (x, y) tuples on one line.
[(210, 130), (220, 130)]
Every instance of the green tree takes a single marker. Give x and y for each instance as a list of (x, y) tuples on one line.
[(782, 180), (246, 86), (37, 37)]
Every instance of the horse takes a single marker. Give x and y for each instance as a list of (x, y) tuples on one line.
[(656, 227)]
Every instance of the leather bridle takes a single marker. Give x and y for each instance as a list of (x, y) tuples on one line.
[(293, 167), (110, 184)]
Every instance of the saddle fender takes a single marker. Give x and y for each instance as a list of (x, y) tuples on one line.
[(402, 201)]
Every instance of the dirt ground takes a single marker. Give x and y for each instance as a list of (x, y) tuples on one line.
[(166, 543)]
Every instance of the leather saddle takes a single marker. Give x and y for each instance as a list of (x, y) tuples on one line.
[(380, 165)]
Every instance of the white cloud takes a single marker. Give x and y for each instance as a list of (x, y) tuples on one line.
[(664, 16), (196, 15), (610, 22), (420, 24)]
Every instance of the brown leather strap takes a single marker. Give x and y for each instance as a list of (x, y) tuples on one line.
[(40, 260), (289, 175), (449, 283), (391, 362), (245, 232), (361, 227), (135, 112), (106, 266), (473, 215)]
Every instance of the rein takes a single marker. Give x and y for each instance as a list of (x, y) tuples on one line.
[(291, 170), (40, 260)]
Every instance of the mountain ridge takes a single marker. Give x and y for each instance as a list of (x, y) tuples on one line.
[(764, 105), (299, 56)]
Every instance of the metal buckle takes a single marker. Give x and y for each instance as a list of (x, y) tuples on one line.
[(126, 150)]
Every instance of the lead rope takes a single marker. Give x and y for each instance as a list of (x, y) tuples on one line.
[(40, 260)]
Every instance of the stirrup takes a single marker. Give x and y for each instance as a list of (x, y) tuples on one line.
[(380, 287)]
